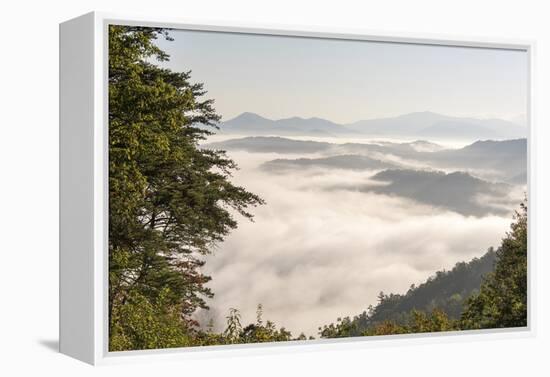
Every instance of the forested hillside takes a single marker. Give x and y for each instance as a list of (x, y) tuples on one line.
[(446, 291), (489, 292)]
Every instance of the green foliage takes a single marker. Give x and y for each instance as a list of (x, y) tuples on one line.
[(261, 332), (502, 298), (234, 328), (446, 291), (235, 333), (417, 322), (258, 332), (343, 328), (488, 292), (170, 201), (140, 324), (414, 322)]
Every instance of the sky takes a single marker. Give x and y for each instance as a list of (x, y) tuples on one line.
[(346, 81), (313, 253)]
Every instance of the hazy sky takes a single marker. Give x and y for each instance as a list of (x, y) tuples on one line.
[(346, 81)]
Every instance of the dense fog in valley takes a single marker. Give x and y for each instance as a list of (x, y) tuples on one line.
[(273, 188), (346, 218)]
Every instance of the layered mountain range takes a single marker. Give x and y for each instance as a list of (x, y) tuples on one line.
[(419, 124), (475, 180)]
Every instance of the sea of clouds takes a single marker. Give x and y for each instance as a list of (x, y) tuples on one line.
[(312, 255)]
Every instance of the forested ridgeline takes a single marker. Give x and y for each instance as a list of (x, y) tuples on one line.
[(171, 202), (489, 292), (445, 291)]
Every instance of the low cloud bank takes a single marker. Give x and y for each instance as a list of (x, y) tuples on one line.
[(313, 255)]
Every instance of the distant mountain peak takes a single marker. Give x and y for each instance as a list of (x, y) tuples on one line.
[(424, 124), (247, 116), (502, 143), (252, 123)]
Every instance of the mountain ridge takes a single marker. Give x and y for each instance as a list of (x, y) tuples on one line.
[(446, 290), (425, 124)]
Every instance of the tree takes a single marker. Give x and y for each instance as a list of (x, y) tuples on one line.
[(445, 291), (258, 332), (261, 333), (170, 201), (234, 328), (502, 298), (343, 328), (417, 322), (140, 324)]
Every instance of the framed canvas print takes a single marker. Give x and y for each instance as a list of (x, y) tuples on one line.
[(230, 189)]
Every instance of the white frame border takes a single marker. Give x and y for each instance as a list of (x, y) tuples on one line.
[(101, 355)]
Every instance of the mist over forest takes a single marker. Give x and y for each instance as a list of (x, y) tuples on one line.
[(347, 217), (256, 230)]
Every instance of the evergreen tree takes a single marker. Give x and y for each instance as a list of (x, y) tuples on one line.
[(170, 201), (417, 322), (259, 332), (502, 299)]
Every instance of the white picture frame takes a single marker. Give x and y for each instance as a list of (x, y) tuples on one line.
[(84, 189)]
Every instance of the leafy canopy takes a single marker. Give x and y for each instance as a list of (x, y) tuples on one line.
[(170, 201), (502, 298)]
